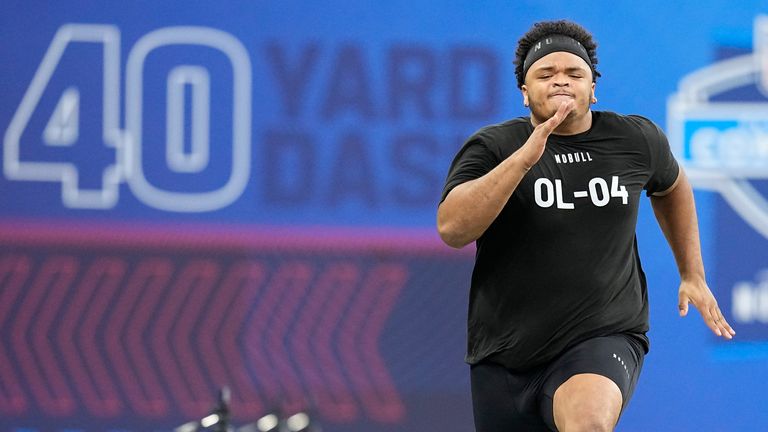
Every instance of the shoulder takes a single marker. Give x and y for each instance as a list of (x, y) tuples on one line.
[(633, 127), (503, 130), (631, 122), (503, 138)]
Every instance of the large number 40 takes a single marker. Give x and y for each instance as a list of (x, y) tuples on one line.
[(36, 129)]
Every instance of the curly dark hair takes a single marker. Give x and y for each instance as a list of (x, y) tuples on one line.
[(546, 28)]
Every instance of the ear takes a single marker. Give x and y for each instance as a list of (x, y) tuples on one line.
[(592, 97), (524, 90)]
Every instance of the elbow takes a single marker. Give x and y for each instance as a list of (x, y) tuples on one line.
[(452, 235)]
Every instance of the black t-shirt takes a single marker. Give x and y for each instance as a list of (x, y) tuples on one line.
[(560, 264)]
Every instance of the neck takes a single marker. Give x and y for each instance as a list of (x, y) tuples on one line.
[(572, 125)]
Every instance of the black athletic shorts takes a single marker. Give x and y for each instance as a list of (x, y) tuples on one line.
[(505, 401)]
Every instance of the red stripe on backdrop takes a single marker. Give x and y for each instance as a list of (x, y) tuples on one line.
[(183, 236), (113, 319)]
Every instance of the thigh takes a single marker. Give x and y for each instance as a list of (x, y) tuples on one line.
[(617, 358), (503, 401), (587, 402)]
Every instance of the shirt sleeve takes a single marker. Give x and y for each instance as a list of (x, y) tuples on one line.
[(474, 160), (664, 167)]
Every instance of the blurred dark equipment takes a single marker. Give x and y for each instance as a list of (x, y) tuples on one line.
[(272, 422), (218, 420)]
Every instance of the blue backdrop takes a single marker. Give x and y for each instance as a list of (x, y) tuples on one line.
[(244, 193)]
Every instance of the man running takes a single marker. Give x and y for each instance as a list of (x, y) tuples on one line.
[(558, 307)]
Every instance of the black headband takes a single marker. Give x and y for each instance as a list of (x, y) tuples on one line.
[(554, 43)]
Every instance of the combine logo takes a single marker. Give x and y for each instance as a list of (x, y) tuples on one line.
[(750, 300), (718, 128)]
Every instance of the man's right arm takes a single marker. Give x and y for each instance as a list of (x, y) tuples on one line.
[(471, 207)]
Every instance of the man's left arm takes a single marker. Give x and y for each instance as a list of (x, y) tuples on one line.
[(676, 213)]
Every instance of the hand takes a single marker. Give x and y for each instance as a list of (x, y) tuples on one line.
[(698, 293), (532, 150)]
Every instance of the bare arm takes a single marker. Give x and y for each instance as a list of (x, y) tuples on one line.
[(676, 212), (471, 207)]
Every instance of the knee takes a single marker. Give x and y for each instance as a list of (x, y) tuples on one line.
[(586, 416), (587, 403), (589, 423)]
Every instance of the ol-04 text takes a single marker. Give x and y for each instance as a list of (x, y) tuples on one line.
[(550, 192)]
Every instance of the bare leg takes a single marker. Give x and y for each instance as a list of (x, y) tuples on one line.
[(587, 403)]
